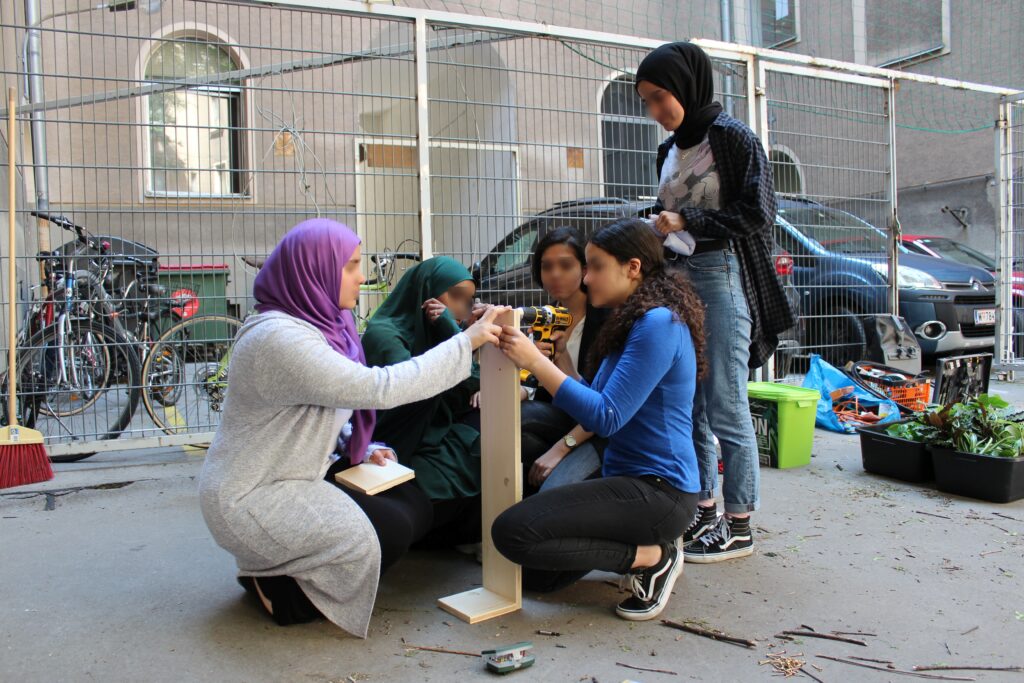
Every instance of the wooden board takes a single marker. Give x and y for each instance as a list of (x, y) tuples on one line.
[(371, 479), (501, 485)]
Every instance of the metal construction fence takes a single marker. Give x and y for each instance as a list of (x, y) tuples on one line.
[(164, 149)]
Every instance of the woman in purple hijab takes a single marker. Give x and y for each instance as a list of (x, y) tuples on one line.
[(297, 375)]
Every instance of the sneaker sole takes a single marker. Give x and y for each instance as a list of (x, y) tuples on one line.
[(656, 612), (719, 557)]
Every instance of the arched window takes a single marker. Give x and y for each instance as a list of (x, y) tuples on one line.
[(786, 172), (194, 135), (629, 141)]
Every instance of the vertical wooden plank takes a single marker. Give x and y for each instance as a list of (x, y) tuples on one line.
[(501, 485)]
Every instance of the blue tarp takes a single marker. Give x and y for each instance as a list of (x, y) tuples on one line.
[(826, 378)]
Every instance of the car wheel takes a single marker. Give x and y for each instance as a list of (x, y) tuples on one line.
[(838, 336)]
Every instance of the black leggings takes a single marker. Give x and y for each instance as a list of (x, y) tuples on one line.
[(401, 516), (563, 533)]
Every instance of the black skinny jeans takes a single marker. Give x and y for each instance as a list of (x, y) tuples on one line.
[(562, 534)]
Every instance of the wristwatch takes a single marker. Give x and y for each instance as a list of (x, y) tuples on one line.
[(569, 441)]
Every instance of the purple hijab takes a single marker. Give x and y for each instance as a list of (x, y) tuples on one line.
[(302, 278)]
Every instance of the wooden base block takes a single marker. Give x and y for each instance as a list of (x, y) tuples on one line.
[(478, 605)]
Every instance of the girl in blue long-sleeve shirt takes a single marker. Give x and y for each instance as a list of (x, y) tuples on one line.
[(641, 399)]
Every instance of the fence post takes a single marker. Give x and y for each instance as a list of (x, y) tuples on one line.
[(895, 231), (757, 107), (423, 137), (1004, 245)]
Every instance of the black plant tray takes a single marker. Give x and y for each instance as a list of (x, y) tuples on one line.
[(986, 477), (894, 457)]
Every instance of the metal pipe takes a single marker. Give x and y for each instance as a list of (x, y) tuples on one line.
[(36, 95), (726, 13)]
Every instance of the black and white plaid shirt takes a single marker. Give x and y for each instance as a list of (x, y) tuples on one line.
[(748, 212)]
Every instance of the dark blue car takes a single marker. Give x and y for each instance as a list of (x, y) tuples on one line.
[(840, 273)]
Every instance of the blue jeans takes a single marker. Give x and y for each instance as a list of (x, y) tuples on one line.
[(542, 426), (720, 405), (580, 464)]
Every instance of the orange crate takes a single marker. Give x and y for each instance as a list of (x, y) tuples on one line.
[(914, 395)]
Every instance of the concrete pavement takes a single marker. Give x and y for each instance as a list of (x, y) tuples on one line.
[(108, 573)]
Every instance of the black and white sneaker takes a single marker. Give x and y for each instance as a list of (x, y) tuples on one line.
[(704, 520), (652, 587), (730, 539)]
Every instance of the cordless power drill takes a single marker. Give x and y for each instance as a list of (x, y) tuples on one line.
[(544, 321)]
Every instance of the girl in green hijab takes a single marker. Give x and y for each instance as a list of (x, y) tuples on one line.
[(424, 310)]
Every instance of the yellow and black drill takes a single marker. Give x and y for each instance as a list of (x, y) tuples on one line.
[(544, 321)]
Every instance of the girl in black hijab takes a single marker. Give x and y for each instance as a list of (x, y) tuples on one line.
[(716, 195)]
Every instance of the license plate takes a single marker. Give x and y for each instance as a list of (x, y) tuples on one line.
[(984, 316)]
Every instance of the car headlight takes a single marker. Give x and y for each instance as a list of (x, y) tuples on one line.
[(909, 278)]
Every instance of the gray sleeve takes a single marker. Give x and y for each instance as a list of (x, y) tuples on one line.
[(299, 368)]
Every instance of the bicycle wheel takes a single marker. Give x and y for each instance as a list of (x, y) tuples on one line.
[(186, 374), (80, 385)]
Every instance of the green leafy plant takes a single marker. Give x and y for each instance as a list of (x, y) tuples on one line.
[(977, 426)]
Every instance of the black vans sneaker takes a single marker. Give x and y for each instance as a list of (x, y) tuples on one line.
[(730, 539), (704, 520), (652, 587)]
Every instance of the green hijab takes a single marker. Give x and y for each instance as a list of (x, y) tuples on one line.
[(427, 436)]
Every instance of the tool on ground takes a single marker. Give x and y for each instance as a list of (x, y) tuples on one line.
[(543, 322), (23, 458), (503, 660)]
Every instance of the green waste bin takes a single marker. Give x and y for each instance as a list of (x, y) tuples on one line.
[(209, 283), (783, 417)]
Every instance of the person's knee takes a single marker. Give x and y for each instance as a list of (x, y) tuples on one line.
[(507, 534)]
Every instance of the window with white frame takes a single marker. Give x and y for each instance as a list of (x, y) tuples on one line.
[(774, 23), (629, 141), (193, 141), (896, 32)]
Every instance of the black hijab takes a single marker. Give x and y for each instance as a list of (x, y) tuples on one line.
[(685, 71)]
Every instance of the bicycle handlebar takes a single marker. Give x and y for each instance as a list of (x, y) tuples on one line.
[(66, 223)]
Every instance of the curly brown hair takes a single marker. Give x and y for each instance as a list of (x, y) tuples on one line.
[(632, 238)]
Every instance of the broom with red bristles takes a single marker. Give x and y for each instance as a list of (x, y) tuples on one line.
[(23, 458)]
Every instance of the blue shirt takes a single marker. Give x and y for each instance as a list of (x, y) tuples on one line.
[(642, 400)]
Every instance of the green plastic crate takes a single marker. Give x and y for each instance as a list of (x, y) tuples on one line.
[(783, 417)]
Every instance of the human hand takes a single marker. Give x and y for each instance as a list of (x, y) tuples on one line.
[(478, 311), (484, 331), (381, 456), (543, 466), (668, 221), (433, 309), (519, 348)]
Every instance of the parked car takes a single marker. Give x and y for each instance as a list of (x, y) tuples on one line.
[(504, 275), (832, 263), (948, 248), (841, 272)]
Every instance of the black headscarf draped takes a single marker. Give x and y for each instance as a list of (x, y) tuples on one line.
[(685, 71)]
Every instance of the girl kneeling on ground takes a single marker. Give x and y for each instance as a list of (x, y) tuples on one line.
[(641, 399), (298, 375)]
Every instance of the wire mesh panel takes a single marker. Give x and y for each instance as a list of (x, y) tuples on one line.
[(165, 148), (169, 152), (529, 134), (829, 146), (1010, 160)]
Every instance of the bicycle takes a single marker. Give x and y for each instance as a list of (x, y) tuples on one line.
[(79, 349)]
